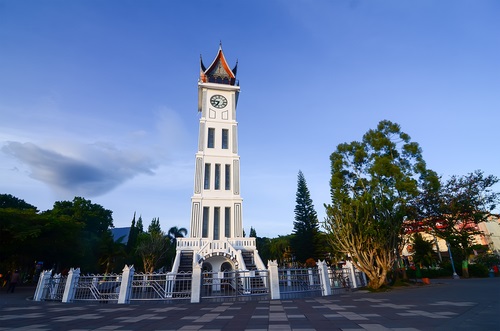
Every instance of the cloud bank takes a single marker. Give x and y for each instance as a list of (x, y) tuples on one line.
[(80, 170)]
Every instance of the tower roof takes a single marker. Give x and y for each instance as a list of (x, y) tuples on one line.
[(219, 71)]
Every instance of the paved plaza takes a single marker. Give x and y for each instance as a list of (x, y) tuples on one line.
[(446, 304)]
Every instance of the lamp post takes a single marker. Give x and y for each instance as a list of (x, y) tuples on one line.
[(455, 276)]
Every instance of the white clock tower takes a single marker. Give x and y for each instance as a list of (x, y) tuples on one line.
[(216, 231)]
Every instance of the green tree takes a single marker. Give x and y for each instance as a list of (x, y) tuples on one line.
[(152, 246), (176, 232), (132, 236), (19, 233), (373, 185), (10, 201), (263, 246), (172, 234), (253, 233), (111, 253), (423, 252), (306, 226), (95, 221), (139, 225), (278, 247), (28, 236), (154, 226), (453, 210)]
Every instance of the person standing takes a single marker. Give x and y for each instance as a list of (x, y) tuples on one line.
[(14, 279)]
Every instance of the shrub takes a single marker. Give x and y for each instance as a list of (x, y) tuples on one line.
[(478, 270)]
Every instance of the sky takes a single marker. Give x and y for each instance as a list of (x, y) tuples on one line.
[(98, 98)]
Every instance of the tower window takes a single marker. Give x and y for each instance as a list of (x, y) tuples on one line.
[(211, 138), (216, 223), (227, 222), (217, 177), (227, 177), (207, 176), (225, 138), (204, 230)]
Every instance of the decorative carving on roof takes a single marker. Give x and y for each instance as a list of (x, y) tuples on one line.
[(219, 71)]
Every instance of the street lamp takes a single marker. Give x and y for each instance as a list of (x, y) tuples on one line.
[(455, 276)]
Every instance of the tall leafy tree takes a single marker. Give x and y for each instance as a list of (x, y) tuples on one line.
[(278, 247), (306, 226), (112, 252), (453, 210), (152, 246), (95, 221), (10, 201), (20, 228), (373, 186)]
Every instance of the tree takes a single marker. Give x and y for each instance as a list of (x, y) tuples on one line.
[(95, 221), (373, 185), (422, 250), (10, 201), (132, 236), (253, 233), (176, 232), (453, 210), (278, 247), (111, 252), (154, 226), (139, 225), (152, 246), (306, 226)]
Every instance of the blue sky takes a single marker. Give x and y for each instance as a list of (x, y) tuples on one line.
[(99, 98)]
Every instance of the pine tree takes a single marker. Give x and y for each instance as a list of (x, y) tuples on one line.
[(155, 227), (139, 225), (253, 233), (305, 227), (132, 236)]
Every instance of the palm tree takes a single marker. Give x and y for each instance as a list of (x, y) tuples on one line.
[(174, 233)]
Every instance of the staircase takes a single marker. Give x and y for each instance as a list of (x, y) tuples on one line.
[(184, 274), (248, 259), (186, 263)]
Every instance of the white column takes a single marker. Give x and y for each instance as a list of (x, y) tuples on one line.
[(196, 284), (274, 281), (71, 281), (43, 283), (324, 278), (352, 273), (126, 284)]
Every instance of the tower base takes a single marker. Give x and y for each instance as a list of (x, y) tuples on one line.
[(230, 254)]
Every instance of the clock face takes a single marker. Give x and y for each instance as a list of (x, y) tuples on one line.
[(218, 101)]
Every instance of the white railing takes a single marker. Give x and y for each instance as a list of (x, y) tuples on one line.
[(170, 287), (197, 243)]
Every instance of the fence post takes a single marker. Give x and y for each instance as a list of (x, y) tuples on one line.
[(170, 286), (274, 281), (43, 283), (57, 283), (71, 281), (352, 273), (126, 284), (326, 288), (196, 283)]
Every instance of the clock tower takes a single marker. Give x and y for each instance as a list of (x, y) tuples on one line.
[(216, 239)]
